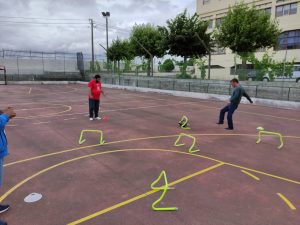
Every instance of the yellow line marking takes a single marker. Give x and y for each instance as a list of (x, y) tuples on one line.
[(101, 212), (78, 158), (251, 175), (122, 141), (292, 207)]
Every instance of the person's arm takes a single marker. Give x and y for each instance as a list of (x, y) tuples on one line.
[(6, 115), (248, 97), (90, 92)]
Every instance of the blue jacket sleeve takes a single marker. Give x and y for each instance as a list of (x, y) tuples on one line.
[(3, 120)]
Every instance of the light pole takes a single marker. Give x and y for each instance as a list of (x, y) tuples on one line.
[(106, 15)]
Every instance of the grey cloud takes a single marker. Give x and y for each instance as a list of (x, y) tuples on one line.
[(76, 37)]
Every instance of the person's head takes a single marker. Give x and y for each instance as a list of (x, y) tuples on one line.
[(97, 77), (234, 82)]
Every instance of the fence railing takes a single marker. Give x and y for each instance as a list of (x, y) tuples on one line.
[(257, 90)]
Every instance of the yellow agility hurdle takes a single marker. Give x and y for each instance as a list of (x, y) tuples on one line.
[(261, 132), (183, 123), (191, 150), (81, 140), (164, 190)]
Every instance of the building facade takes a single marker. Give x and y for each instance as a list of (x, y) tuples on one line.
[(286, 12)]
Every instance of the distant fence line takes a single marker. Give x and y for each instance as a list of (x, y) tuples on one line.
[(257, 89)]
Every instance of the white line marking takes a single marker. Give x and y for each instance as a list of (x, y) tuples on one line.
[(41, 123), (29, 92), (70, 119)]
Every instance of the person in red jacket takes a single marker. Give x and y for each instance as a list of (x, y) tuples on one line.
[(95, 90)]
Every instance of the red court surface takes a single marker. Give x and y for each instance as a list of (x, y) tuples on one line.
[(230, 181)]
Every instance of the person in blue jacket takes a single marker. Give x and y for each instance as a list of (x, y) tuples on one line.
[(5, 116)]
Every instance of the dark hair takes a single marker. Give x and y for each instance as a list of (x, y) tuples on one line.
[(97, 76), (235, 80)]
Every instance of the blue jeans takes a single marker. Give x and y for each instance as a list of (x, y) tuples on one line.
[(230, 109), (94, 108)]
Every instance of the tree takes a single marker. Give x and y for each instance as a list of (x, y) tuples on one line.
[(246, 29), (167, 66), (120, 50), (186, 36), (147, 42), (268, 66)]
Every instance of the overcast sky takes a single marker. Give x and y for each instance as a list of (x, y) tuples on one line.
[(69, 29)]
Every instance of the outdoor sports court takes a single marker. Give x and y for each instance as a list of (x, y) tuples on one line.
[(230, 181)]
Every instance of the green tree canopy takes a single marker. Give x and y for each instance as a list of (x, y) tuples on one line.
[(120, 50), (146, 39), (245, 29), (187, 36)]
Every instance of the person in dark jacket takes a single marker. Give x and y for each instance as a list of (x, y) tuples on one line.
[(235, 100), (5, 116)]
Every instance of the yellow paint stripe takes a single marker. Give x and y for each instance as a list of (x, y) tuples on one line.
[(79, 158), (101, 212), (251, 175), (263, 173), (128, 140), (292, 207)]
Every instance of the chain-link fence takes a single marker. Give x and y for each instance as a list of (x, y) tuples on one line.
[(38, 65)]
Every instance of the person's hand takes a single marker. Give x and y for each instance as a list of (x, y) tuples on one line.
[(10, 112)]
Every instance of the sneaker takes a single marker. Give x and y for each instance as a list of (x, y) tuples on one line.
[(98, 118), (228, 128), (2, 222), (219, 123), (91, 119), (4, 208)]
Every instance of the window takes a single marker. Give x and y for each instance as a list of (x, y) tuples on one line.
[(210, 24), (279, 11), (218, 22), (293, 8), (289, 40), (288, 9), (205, 2), (268, 10)]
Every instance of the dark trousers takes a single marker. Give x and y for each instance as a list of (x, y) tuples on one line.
[(230, 109), (94, 108)]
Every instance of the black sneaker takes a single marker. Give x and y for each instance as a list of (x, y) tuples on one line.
[(219, 123), (228, 128), (2, 222), (4, 208)]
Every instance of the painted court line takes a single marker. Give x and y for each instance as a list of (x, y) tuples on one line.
[(292, 207), (250, 175), (41, 122), (70, 118), (103, 211), (29, 92)]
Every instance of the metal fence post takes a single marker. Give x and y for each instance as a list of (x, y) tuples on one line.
[(289, 93), (256, 87), (173, 85), (148, 83), (189, 87), (207, 87)]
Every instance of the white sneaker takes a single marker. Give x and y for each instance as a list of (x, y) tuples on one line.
[(98, 118), (91, 119)]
